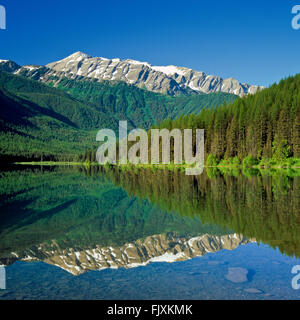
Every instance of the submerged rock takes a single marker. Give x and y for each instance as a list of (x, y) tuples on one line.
[(237, 275), (253, 290)]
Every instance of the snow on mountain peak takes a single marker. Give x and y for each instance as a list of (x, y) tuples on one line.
[(168, 70), (168, 79), (77, 55)]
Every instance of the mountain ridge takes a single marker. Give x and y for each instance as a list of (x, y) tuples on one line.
[(171, 80), (155, 248)]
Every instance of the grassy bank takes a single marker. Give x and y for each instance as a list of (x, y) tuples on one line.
[(270, 164)]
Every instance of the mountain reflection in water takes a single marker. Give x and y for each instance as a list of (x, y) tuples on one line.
[(91, 218)]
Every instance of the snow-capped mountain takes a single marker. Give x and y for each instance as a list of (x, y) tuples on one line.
[(155, 248), (171, 80), (163, 79), (8, 66)]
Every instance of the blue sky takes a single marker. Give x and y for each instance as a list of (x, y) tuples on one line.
[(252, 41)]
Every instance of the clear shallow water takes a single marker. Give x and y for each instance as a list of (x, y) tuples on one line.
[(198, 278), (60, 225)]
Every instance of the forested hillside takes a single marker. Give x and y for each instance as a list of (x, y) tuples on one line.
[(30, 132), (264, 125), (141, 108), (40, 122)]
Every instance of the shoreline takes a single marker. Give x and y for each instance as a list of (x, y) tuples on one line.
[(159, 166)]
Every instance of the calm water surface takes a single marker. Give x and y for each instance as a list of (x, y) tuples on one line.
[(90, 233)]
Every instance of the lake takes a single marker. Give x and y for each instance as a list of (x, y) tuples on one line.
[(148, 233)]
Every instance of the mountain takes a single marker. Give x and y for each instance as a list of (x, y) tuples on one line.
[(40, 121), (154, 248), (53, 111), (170, 80), (8, 66)]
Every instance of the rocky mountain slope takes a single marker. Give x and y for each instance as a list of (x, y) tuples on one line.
[(170, 80), (156, 248)]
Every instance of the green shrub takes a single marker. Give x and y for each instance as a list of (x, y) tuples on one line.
[(281, 150), (265, 162), (236, 161), (249, 161), (211, 161)]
